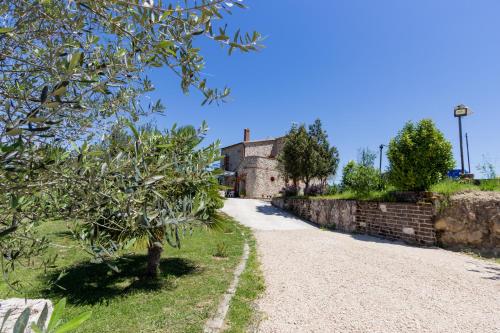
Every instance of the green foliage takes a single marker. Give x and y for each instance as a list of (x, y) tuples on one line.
[(151, 191), (68, 68), (242, 315), (307, 154), (347, 175), (332, 189), (419, 157), (490, 185), (360, 179), (367, 157), (221, 250), (54, 323), (449, 187), (191, 284)]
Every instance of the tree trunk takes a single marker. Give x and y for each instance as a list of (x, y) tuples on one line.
[(306, 181), (154, 256)]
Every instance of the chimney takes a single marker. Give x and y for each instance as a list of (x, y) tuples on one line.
[(246, 135)]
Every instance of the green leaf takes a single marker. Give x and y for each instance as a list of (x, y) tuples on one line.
[(56, 314), (22, 321), (133, 129), (43, 316), (6, 316), (14, 131), (74, 323), (43, 96), (6, 30), (59, 91), (75, 59), (165, 43), (37, 119), (35, 328)]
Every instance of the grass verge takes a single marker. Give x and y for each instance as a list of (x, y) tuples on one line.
[(242, 313), (187, 294), (450, 187), (445, 188)]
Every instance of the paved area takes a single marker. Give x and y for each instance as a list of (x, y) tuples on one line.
[(321, 281)]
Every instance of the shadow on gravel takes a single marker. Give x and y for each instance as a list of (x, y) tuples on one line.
[(374, 239), (271, 210), (494, 271), (88, 283)]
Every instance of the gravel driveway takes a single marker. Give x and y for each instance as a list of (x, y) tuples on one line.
[(322, 281)]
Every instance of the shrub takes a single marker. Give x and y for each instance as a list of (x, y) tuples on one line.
[(364, 179), (315, 190), (221, 250), (490, 185), (360, 178), (290, 191), (347, 173), (332, 189), (419, 156)]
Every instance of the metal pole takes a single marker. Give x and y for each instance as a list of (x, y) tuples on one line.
[(380, 159), (467, 145), (461, 143)]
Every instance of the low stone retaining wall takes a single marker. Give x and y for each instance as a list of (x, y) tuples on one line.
[(469, 220), (409, 222), (335, 214)]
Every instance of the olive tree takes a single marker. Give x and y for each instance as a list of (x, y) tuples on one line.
[(153, 188), (69, 67)]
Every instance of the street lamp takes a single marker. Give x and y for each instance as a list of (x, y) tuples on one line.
[(380, 158), (459, 112)]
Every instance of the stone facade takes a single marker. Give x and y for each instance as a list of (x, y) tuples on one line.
[(333, 214), (252, 168), (470, 220), (467, 221), (410, 222)]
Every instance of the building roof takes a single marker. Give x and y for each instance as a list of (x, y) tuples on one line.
[(253, 141)]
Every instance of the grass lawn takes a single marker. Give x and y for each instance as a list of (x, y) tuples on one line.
[(446, 188), (191, 285), (449, 187)]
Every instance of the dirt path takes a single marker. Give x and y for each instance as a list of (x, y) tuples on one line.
[(321, 281)]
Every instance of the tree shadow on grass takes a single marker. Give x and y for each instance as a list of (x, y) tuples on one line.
[(88, 283)]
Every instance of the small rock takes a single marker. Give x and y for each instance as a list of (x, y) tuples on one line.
[(17, 305)]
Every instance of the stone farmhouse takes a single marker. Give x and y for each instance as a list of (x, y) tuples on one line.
[(251, 168)]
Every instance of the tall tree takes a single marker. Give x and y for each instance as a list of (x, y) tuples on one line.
[(307, 154), (327, 156), (69, 67), (145, 194)]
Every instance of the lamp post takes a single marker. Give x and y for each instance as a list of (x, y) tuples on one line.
[(459, 112), (467, 145), (380, 158)]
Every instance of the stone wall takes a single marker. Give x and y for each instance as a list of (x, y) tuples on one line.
[(264, 148), (412, 223), (335, 214), (235, 155), (470, 220), (262, 179)]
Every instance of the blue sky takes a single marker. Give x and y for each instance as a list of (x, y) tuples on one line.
[(363, 67)]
